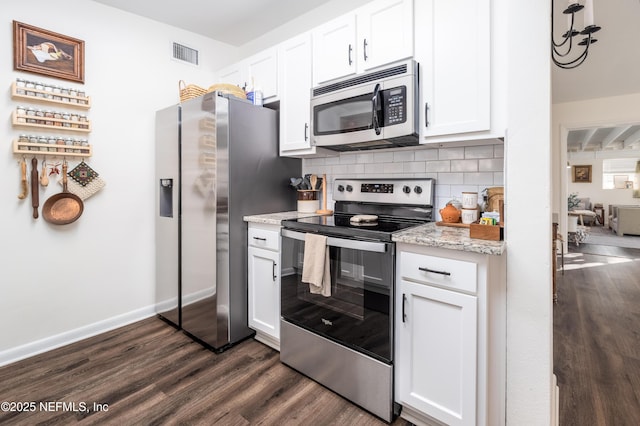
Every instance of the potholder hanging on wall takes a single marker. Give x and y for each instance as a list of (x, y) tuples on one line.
[(84, 181)]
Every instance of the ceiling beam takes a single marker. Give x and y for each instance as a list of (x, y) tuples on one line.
[(613, 135), (632, 140), (587, 138)]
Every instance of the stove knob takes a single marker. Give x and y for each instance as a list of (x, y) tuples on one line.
[(349, 188), (340, 188), (406, 189), (417, 189)]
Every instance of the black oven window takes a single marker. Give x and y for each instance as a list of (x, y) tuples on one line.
[(358, 313)]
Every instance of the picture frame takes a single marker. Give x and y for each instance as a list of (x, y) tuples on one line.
[(628, 184), (45, 52), (582, 173), (619, 181)]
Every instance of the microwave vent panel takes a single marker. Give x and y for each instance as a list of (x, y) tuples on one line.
[(361, 79)]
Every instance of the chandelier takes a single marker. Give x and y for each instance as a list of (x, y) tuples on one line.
[(561, 52)]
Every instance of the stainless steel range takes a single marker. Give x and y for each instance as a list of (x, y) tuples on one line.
[(344, 339)]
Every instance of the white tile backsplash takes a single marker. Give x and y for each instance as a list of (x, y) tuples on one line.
[(456, 170), (451, 153), (482, 151)]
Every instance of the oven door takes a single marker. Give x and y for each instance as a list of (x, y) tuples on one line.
[(359, 312)]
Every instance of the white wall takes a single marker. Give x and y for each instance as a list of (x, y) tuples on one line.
[(61, 282), (567, 116), (528, 216)]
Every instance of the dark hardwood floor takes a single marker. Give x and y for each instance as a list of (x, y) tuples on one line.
[(148, 373), (597, 336)]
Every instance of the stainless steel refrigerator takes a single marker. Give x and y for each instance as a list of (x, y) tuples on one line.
[(216, 162)]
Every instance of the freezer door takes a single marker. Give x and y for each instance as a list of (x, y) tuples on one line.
[(167, 197)]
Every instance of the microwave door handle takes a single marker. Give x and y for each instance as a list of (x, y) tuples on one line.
[(375, 103)]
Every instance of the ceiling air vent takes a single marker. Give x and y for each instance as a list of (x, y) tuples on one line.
[(184, 53)]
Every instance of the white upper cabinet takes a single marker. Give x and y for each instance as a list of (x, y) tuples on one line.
[(375, 34), (295, 95), (334, 49), (385, 32), (262, 72), (259, 70), (453, 48)]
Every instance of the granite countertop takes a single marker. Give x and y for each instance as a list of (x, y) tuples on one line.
[(430, 234), (276, 218), (448, 237)]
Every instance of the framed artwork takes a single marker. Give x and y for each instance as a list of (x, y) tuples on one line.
[(582, 173), (44, 52), (628, 184)]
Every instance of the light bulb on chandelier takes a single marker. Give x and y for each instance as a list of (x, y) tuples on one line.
[(560, 52)]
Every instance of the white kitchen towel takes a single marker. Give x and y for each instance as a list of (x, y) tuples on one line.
[(316, 268)]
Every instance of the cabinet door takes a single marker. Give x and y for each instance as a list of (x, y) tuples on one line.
[(334, 49), (262, 72), (385, 32), (264, 291), (453, 49), (231, 75), (436, 352), (295, 95)]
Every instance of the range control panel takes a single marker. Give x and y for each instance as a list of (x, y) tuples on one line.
[(378, 188), (389, 191)]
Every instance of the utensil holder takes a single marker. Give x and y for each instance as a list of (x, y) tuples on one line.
[(308, 200)]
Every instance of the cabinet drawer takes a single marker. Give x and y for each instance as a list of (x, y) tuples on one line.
[(264, 238), (446, 273)]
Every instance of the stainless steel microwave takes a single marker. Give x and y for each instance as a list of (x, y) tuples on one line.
[(377, 109)]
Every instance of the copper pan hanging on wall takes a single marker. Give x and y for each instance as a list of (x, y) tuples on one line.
[(63, 208)]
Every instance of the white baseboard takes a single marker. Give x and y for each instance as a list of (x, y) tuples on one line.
[(48, 343)]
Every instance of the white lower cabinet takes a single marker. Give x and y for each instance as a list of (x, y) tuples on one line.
[(450, 337), (264, 283)]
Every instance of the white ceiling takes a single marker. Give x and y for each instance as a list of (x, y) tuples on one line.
[(235, 22), (612, 67)]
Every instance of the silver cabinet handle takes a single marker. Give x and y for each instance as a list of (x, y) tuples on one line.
[(404, 300), (274, 271), (350, 49), (306, 128), (426, 114), (364, 49), (433, 271)]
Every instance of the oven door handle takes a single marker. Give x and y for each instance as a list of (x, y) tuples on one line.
[(372, 246)]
